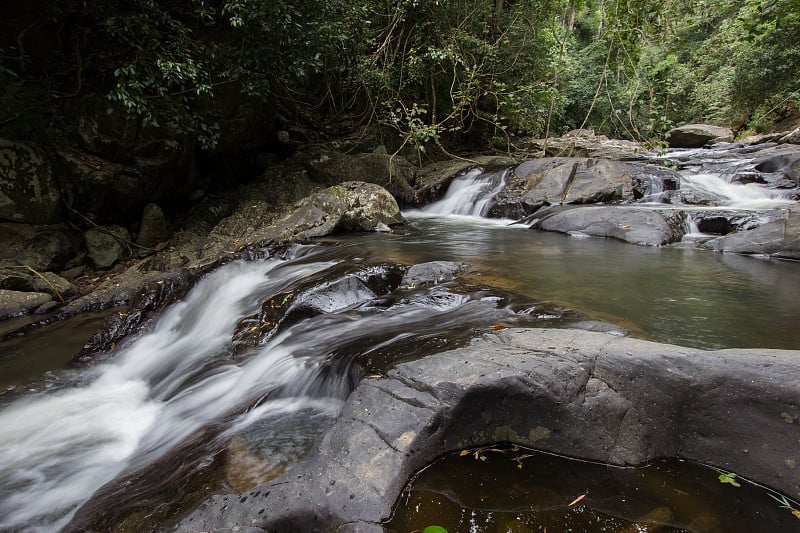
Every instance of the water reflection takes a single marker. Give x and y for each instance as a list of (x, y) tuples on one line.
[(680, 296)]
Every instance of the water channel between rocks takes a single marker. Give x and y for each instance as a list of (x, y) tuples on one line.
[(188, 403)]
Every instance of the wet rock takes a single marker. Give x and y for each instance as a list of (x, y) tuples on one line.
[(781, 165), (16, 303), (106, 245), (28, 190), (698, 135), (329, 291), (153, 297), (153, 227), (587, 395), (636, 225), (43, 248), (777, 238), (431, 273)]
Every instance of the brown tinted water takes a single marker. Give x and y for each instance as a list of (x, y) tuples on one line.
[(515, 490), (28, 355)]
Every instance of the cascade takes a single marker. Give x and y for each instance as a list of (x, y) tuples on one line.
[(183, 381), (470, 194)]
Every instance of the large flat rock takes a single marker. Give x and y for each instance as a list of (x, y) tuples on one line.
[(582, 394), (636, 225)]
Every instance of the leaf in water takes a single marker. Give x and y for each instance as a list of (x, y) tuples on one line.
[(730, 478), (464, 452), (434, 529), (576, 500)]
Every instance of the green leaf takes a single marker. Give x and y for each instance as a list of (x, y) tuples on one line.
[(434, 529), (729, 478)]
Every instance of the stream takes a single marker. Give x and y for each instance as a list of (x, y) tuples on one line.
[(185, 395)]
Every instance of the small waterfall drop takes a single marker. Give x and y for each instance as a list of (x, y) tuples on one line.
[(734, 195), (470, 194)]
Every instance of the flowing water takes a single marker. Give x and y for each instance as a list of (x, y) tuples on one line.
[(184, 392)]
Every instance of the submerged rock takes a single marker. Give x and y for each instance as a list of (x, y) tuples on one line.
[(430, 273), (586, 395)]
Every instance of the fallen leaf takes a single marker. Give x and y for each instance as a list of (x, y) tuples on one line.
[(576, 500)]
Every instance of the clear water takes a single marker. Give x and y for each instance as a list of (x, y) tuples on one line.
[(680, 296), (515, 490)]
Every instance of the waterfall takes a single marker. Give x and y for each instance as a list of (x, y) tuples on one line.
[(734, 195), (182, 382), (470, 194), (56, 449)]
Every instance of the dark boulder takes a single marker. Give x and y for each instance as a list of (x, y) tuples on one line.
[(106, 245), (392, 172), (43, 248), (587, 395), (153, 227), (328, 291), (153, 297), (29, 192)]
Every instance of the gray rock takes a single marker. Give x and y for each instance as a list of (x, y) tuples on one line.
[(348, 206), (776, 238), (44, 248), (16, 303), (28, 190), (576, 180), (54, 284), (106, 246), (585, 143), (434, 272), (24, 280), (698, 135), (153, 228), (587, 395), (636, 225)]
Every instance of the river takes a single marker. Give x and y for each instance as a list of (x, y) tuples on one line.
[(181, 394)]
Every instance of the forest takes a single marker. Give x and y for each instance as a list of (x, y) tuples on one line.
[(457, 74)]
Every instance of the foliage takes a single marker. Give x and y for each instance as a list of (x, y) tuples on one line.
[(434, 71)]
